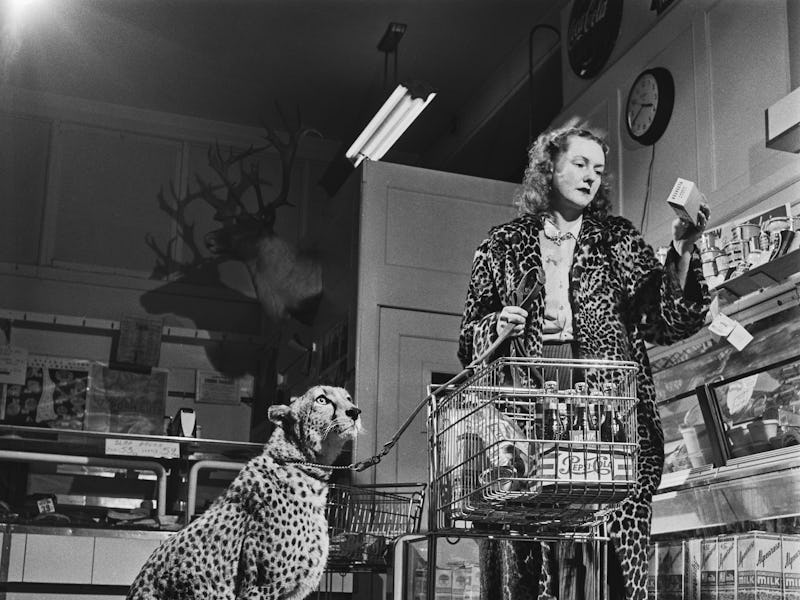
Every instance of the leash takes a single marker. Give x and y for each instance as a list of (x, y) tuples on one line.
[(529, 288)]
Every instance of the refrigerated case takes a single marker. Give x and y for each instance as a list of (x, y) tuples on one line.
[(731, 423)]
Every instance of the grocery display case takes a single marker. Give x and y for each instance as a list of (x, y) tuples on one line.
[(731, 422)]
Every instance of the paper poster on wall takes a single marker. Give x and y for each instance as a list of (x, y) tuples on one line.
[(53, 394), (126, 401), (139, 341), (13, 363), (216, 388)]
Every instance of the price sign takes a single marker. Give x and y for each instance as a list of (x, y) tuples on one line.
[(142, 448)]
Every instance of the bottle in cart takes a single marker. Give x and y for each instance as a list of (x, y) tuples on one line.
[(552, 423), (581, 425), (553, 426), (611, 429), (595, 418), (564, 409)]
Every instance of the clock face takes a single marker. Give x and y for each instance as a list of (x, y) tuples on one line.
[(642, 105), (649, 105)]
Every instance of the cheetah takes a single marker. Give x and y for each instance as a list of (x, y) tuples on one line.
[(266, 536)]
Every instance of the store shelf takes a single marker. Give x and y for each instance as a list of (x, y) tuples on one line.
[(98, 444), (763, 276), (756, 488)]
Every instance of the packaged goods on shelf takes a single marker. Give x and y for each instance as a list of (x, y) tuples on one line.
[(726, 567), (678, 576), (709, 568), (758, 566), (652, 570), (790, 566)]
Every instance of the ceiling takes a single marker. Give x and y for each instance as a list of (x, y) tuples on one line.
[(233, 60)]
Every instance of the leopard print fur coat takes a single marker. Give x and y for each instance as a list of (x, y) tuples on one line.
[(621, 298)]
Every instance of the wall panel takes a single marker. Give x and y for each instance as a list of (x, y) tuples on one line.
[(22, 186), (106, 192), (749, 61)]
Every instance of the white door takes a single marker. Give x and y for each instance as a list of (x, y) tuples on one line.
[(413, 346), (418, 231)]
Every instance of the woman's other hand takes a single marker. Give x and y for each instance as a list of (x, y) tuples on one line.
[(514, 317), (685, 234)]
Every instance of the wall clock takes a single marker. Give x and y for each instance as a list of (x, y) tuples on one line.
[(649, 105)]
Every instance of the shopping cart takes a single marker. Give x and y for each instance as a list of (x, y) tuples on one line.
[(533, 445), (364, 520)]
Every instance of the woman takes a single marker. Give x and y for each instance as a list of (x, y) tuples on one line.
[(605, 295)]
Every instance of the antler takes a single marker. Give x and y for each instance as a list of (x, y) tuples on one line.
[(287, 150), (165, 262), (232, 206)]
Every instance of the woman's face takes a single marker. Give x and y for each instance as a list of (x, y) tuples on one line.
[(577, 174)]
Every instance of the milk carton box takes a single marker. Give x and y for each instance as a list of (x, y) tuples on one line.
[(726, 567), (759, 566), (652, 570), (709, 564), (791, 566), (678, 575)]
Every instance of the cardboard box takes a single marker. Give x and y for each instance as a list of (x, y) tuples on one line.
[(685, 199), (726, 567), (759, 569), (652, 570), (709, 565), (443, 586), (678, 575), (791, 566)]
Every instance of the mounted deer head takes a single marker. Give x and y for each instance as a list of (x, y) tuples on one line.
[(287, 282)]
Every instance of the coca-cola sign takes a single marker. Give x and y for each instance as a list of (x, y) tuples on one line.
[(591, 35)]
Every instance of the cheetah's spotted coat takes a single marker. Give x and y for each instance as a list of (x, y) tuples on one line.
[(266, 537)]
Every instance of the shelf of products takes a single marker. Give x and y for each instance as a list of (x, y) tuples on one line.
[(762, 276)]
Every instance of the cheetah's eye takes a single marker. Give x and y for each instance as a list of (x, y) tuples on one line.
[(322, 400)]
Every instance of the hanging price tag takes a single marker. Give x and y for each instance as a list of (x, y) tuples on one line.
[(733, 331)]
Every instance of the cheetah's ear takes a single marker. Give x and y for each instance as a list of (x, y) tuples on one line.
[(278, 413)]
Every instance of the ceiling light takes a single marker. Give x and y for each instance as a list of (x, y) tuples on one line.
[(394, 117)]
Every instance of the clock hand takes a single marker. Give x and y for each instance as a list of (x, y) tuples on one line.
[(638, 112)]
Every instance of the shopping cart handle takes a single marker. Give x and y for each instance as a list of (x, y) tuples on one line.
[(366, 464)]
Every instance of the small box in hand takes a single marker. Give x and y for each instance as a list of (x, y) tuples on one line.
[(685, 200)]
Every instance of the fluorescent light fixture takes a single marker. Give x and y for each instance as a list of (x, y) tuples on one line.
[(394, 117)]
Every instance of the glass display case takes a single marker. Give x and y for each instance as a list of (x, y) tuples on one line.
[(731, 422)]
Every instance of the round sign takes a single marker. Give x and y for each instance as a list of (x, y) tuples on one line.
[(592, 33)]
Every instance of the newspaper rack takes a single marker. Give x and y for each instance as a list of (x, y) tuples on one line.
[(533, 444), (364, 520)]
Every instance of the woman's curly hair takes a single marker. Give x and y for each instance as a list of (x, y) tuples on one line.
[(534, 196)]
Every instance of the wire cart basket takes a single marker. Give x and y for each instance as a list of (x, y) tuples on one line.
[(533, 445), (364, 520)]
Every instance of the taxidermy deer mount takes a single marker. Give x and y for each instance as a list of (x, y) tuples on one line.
[(287, 281)]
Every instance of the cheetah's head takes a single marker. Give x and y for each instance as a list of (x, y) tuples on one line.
[(319, 422)]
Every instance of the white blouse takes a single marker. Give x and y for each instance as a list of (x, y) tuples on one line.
[(558, 248)]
